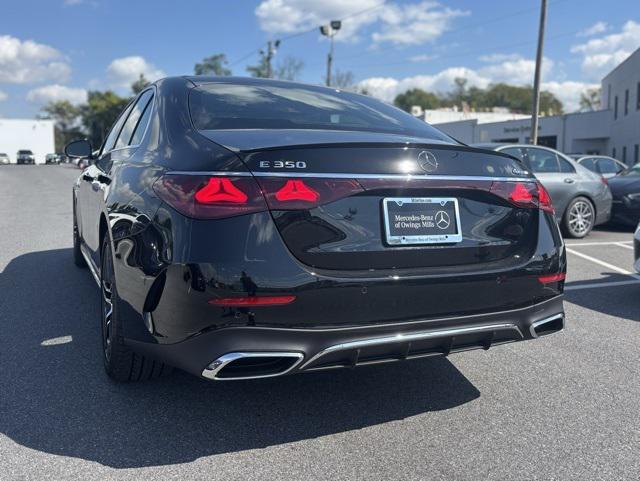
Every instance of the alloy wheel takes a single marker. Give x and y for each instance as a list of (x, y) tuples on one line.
[(106, 289), (580, 218)]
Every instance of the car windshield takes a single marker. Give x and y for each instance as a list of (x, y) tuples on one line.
[(25, 152), (218, 106), (632, 172)]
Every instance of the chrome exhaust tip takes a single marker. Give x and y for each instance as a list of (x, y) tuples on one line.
[(236, 366), (548, 325)]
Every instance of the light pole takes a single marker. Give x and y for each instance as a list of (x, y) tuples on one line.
[(330, 31), (536, 80)]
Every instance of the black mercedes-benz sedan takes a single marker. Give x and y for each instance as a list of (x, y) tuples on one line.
[(625, 188), (246, 228)]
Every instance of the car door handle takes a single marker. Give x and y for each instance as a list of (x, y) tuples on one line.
[(569, 181)]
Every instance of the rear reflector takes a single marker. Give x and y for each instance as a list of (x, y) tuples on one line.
[(253, 301), (548, 279)]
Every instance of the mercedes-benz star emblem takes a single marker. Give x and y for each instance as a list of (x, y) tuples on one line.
[(427, 161), (442, 219)]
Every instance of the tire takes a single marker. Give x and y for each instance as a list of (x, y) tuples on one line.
[(579, 218), (78, 258), (120, 362)]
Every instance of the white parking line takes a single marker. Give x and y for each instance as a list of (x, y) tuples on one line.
[(583, 244), (621, 244), (604, 264), (592, 285)]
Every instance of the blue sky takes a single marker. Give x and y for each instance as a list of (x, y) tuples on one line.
[(59, 49)]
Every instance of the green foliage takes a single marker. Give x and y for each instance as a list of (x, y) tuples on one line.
[(65, 117), (426, 100), (139, 85), (516, 99), (261, 69), (100, 113), (590, 99), (213, 65)]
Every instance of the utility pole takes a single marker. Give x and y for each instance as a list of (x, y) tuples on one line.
[(536, 80), (272, 48), (330, 31)]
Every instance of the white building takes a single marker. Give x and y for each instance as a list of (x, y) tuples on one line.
[(25, 134), (614, 130)]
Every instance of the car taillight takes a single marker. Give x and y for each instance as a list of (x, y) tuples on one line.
[(294, 194), (252, 301), (210, 197), (548, 279), (528, 195)]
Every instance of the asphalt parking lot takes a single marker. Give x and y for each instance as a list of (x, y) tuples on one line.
[(563, 407)]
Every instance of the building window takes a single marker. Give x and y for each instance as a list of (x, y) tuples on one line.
[(636, 153), (609, 95), (626, 102), (613, 153), (624, 154), (638, 97), (615, 108)]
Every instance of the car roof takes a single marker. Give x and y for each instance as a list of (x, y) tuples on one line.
[(199, 80)]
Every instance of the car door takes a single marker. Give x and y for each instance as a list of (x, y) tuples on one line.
[(556, 174)]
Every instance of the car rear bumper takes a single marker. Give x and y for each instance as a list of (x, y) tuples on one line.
[(256, 352)]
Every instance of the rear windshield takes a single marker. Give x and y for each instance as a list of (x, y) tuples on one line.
[(25, 152), (224, 106)]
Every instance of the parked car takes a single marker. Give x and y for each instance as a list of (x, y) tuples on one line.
[(25, 157), (4, 159), (605, 166), (50, 159), (61, 159), (581, 198), (246, 228), (625, 188), (84, 162)]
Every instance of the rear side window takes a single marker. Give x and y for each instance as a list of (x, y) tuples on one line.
[(115, 130), (589, 163), (608, 166), (565, 166), (514, 151), (132, 121), (138, 133), (281, 106), (542, 161)]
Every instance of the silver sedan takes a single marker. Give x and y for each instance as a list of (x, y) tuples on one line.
[(582, 199)]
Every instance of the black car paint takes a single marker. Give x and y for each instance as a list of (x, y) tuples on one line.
[(168, 266), (625, 208)]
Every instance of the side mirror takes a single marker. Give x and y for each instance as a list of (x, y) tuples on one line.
[(78, 148)]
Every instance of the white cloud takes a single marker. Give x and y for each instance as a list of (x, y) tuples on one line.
[(423, 58), (3, 96), (518, 71), (568, 92), (499, 57), (56, 92), (409, 24), (122, 72), (595, 29), (26, 61), (601, 55)]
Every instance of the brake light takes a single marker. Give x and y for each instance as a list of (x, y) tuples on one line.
[(297, 190), (548, 279), (299, 194), (253, 301), (220, 190), (210, 197), (544, 199), (529, 195)]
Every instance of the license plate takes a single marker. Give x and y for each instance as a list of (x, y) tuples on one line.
[(421, 220)]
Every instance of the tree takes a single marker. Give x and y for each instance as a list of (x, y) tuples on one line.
[(100, 112), (590, 99), (261, 69), (289, 68), (342, 79), (139, 85), (213, 65), (66, 121), (408, 99)]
